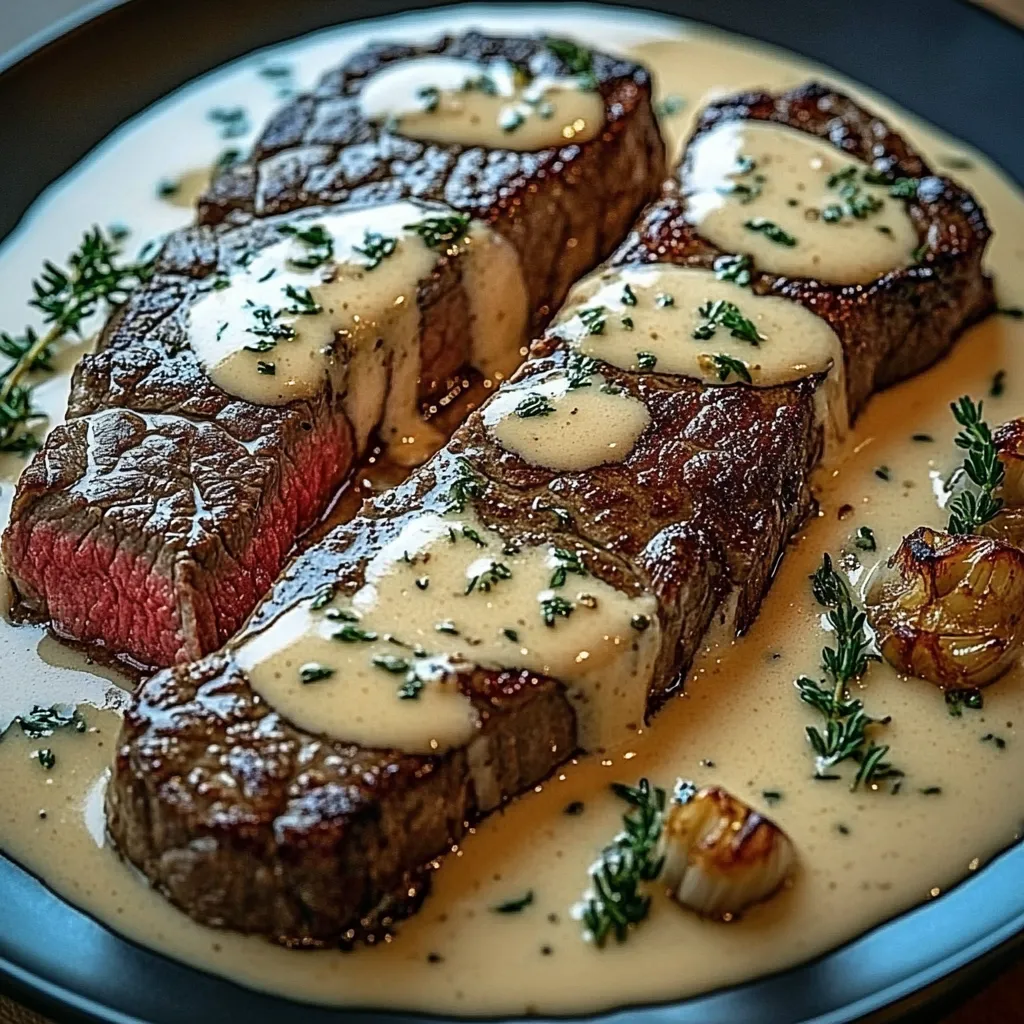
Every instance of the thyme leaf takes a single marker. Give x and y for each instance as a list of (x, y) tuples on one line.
[(617, 900), (982, 466)]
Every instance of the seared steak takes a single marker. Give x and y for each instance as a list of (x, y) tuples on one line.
[(153, 520), (245, 821)]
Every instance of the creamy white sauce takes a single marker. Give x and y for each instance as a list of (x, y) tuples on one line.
[(778, 194), (740, 712), (493, 104), (444, 596), (566, 423), (334, 305)]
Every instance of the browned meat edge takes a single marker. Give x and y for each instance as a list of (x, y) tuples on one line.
[(245, 821), (153, 521)]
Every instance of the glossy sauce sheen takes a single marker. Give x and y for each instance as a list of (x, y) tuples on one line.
[(862, 856), (777, 193), (445, 99), (443, 596), (304, 315)]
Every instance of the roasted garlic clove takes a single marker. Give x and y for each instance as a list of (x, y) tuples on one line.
[(950, 609), (721, 855)]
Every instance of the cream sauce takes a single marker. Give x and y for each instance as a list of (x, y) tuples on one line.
[(381, 667), (563, 423), (797, 205), (740, 724), (663, 318), (493, 104), (334, 303)]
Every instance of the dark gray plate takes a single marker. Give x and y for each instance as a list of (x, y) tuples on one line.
[(61, 94)]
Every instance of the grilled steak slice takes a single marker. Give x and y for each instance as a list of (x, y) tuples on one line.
[(153, 520), (245, 821)]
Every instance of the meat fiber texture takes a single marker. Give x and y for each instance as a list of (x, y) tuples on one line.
[(156, 517)]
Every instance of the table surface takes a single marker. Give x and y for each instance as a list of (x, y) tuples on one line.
[(1000, 1001)]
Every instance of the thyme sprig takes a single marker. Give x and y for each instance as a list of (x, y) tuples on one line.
[(95, 277), (969, 510), (617, 899), (465, 487), (845, 736), (441, 232), (722, 365)]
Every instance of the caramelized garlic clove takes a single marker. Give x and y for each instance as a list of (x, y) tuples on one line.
[(1009, 442), (950, 609), (720, 855)]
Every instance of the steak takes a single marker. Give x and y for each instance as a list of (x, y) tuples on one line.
[(245, 821), (155, 518)]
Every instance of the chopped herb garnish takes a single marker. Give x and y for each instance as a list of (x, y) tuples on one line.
[(551, 607), (579, 370), (318, 243), (227, 159), (663, 300), (578, 59), (423, 582), (771, 796), (957, 700), (770, 230), (470, 534), (232, 121), (429, 97), (998, 385), (376, 248), (922, 438), (447, 627), (534, 404), (574, 808), (997, 741), (669, 106), (510, 634), (566, 562), (723, 365), (313, 672), (510, 119), (646, 360), (854, 201), (351, 634), (983, 467), (865, 539), (303, 303), (593, 319), (167, 187), (726, 314), (918, 254), (411, 687), (904, 188), (323, 596), (514, 906), (466, 486), (562, 517), (46, 757), (931, 791), (883, 472), (266, 367), (41, 721), (734, 268), (628, 296), (391, 663), (627, 322), (267, 328), (617, 900), (441, 232), (846, 733), (490, 577)]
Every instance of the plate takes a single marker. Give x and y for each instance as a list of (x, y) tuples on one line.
[(114, 61)]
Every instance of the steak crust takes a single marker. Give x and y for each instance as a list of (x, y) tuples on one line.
[(247, 822), (156, 517)]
